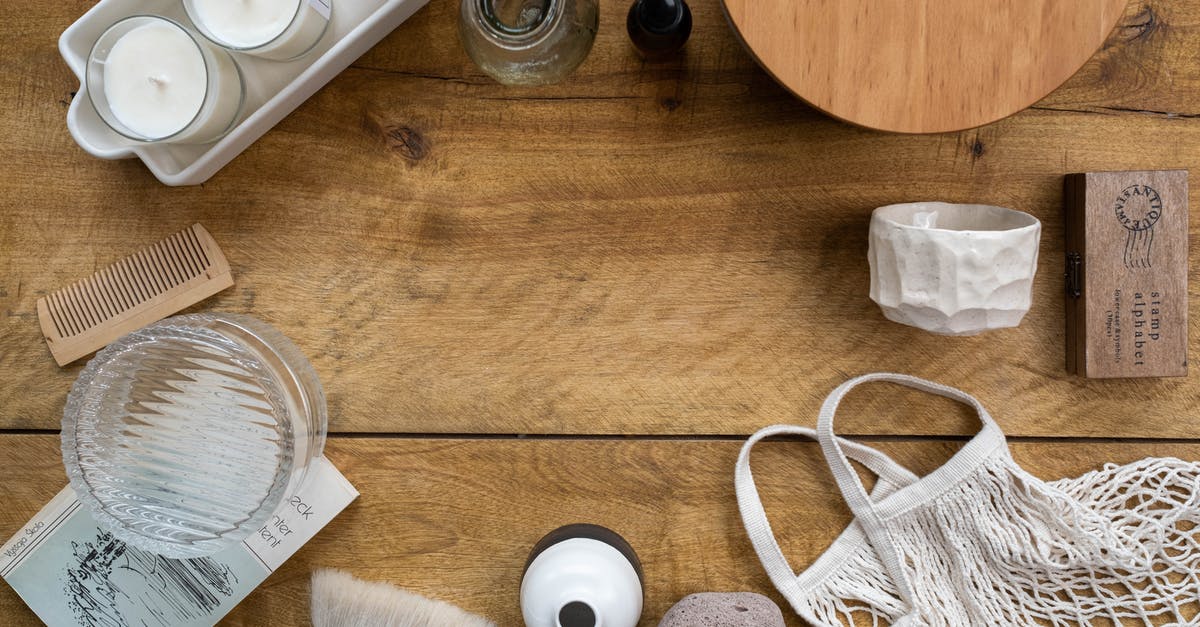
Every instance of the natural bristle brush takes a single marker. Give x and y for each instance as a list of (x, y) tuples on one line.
[(341, 600)]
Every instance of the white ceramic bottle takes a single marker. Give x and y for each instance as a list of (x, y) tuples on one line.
[(582, 576)]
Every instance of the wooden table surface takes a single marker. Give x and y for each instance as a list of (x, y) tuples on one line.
[(534, 306)]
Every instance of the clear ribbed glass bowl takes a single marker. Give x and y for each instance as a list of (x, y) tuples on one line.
[(183, 437)]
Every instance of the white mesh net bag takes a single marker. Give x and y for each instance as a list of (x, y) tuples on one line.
[(979, 541)]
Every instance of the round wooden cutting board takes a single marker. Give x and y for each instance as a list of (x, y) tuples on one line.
[(922, 66)]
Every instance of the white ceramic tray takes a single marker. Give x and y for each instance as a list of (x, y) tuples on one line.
[(273, 89)]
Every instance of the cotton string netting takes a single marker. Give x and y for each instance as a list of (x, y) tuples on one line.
[(982, 542)]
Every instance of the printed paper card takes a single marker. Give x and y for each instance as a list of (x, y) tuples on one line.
[(72, 572)]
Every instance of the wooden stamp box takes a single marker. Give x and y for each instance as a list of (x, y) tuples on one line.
[(1126, 273)]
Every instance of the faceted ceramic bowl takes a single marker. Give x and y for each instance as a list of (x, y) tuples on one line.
[(183, 437), (953, 269)]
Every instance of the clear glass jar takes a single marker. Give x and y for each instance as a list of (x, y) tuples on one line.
[(183, 437), (528, 42)]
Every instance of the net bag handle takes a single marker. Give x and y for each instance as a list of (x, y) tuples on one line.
[(754, 517), (838, 455)]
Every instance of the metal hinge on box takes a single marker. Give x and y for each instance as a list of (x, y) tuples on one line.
[(1074, 275)]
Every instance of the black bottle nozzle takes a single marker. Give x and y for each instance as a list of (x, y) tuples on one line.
[(659, 28)]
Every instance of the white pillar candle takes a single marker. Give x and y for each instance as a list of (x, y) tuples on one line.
[(152, 80), (275, 29)]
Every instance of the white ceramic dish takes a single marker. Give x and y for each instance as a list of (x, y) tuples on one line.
[(273, 89), (953, 269)]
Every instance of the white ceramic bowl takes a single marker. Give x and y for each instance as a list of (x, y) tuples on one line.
[(953, 269)]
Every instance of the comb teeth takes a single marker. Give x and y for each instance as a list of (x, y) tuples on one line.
[(152, 283), (122, 286)]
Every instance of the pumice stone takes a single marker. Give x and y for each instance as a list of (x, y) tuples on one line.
[(724, 609)]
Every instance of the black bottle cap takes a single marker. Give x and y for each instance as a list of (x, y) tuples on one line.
[(660, 16), (577, 614), (659, 27)]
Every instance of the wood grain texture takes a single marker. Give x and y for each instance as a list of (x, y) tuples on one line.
[(455, 519), (922, 67), (673, 248)]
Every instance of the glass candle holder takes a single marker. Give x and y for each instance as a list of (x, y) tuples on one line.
[(183, 437), (154, 80), (279, 30), (528, 42)]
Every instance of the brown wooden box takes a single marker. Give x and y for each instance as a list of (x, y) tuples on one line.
[(1127, 238)]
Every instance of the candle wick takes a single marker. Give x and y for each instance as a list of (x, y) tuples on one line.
[(157, 81)]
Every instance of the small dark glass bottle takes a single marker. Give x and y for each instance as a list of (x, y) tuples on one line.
[(659, 28)]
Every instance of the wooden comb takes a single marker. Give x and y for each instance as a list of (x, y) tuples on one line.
[(149, 285)]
